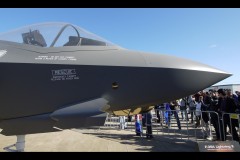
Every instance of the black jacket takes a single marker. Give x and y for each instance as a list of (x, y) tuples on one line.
[(230, 106)]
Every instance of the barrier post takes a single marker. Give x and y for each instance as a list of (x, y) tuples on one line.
[(223, 127), (187, 125), (231, 126)]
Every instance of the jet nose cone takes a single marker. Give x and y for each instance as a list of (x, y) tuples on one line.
[(182, 75), (167, 61)]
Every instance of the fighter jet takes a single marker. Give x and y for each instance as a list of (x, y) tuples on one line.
[(57, 76)]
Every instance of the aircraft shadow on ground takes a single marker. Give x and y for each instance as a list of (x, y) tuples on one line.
[(160, 143)]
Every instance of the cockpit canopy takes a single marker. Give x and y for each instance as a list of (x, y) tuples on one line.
[(54, 35)]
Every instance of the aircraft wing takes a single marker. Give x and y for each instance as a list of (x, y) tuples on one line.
[(85, 114)]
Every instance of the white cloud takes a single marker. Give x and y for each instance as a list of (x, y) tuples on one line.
[(213, 46)]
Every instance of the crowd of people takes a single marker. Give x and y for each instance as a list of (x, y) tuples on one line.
[(204, 108), (213, 106)]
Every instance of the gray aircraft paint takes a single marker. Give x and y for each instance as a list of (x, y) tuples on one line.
[(31, 97)]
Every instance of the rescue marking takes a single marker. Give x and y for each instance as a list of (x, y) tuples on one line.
[(64, 74)]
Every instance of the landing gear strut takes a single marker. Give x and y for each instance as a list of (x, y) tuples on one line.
[(20, 145)]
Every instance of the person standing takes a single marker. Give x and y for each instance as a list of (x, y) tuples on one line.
[(198, 112), (227, 105), (173, 106), (157, 108), (138, 125), (149, 125), (183, 109), (214, 115), (122, 122), (192, 107), (167, 114)]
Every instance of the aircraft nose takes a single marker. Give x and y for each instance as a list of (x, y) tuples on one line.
[(167, 61), (181, 76)]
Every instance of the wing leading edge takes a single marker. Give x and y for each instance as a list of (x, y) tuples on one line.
[(84, 114)]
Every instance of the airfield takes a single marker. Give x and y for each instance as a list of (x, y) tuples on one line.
[(107, 139), (98, 141), (110, 138)]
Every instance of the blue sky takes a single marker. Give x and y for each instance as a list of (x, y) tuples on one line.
[(207, 35)]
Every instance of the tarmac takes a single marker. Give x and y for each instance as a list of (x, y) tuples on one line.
[(100, 140), (109, 138)]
